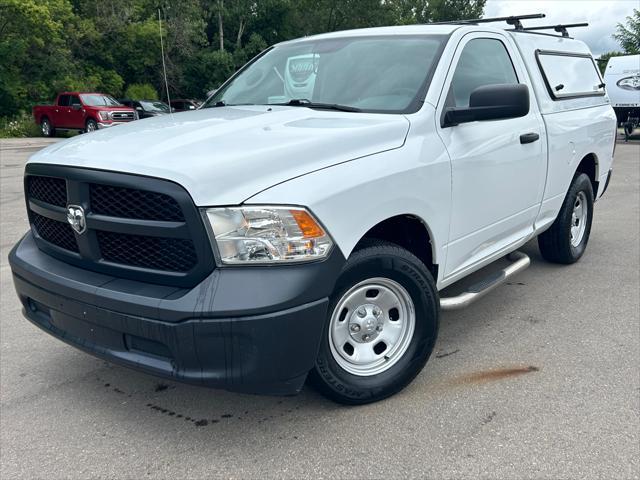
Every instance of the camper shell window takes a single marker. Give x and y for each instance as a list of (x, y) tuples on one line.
[(569, 75)]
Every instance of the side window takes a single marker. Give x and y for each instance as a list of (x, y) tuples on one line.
[(63, 101), (75, 100), (570, 75), (484, 61)]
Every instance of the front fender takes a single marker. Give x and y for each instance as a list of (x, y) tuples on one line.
[(351, 198)]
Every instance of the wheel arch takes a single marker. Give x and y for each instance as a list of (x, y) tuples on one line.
[(590, 166), (409, 231)]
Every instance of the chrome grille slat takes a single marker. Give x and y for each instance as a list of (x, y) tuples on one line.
[(122, 116)]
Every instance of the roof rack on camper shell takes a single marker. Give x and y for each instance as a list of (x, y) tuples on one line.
[(511, 20), (562, 28), (515, 20)]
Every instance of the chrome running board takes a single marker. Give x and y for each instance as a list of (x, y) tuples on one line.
[(480, 289)]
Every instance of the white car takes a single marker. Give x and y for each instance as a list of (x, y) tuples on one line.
[(264, 238)]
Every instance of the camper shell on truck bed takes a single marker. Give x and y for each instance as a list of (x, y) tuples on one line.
[(265, 238)]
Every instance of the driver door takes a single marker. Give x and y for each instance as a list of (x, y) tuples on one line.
[(497, 178), (76, 113)]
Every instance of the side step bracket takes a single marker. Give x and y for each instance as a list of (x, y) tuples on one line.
[(478, 290)]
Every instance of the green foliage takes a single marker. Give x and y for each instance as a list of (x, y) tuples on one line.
[(33, 51), (629, 35), (18, 127), (254, 46), (207, 71), (141, 91), (52, 45)]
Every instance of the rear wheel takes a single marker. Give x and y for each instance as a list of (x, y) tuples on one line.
[(382, 326), (628, 130), (567, 239), (92, 126), (46, 128)]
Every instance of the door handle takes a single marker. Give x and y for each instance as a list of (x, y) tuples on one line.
[(529, 138)]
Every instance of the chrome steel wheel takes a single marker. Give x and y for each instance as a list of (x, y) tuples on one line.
[(91, 126), (45, 126), (579, 219), (371, 326)]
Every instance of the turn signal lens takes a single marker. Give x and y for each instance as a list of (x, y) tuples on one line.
[(308, 226)]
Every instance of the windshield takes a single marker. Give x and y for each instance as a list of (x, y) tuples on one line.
[(95, 100), (150, 106), (376, 74)]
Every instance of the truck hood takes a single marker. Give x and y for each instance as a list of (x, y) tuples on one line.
[(224, 155)]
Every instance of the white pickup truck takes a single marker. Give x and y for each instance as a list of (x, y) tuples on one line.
[(303, 221)]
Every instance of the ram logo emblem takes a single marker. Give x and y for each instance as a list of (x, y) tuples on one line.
[(75, 217)]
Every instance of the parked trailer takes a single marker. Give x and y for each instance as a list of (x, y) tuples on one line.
[(622, 77)]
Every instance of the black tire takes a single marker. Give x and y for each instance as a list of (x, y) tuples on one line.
[(556, 243), (91, 126), (628, 129), (47, 128), (387, 260)]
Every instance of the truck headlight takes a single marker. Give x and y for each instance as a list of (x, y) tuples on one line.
[(265, 234), (104, 115)]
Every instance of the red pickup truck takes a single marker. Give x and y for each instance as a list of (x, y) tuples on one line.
[(85, 112)]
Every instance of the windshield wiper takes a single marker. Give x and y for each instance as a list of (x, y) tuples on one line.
[(304, 102)]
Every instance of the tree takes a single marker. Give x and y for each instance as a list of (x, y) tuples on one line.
[(141, 91), (424, 11), (629, 35), (36, 58)]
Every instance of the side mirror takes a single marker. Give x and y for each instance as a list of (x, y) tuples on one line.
[(76, 106), (490, 102), (139, 109)]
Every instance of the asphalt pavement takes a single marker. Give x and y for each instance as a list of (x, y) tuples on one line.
[(539, 379)]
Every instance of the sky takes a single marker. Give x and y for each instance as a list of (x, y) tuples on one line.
[(602, 16)]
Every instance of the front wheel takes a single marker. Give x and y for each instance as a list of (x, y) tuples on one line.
[(91, 126), (382, 326), (567, 239)]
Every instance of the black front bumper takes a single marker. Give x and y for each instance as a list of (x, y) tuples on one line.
[(254, 329)]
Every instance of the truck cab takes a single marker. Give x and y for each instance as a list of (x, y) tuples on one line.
[(305, 221)]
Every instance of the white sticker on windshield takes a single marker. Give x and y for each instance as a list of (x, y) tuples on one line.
[(300, 76)]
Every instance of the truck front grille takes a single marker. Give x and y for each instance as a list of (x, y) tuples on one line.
[(49, 190), (54, 232), (129, 203), (170, 254), (122, 116), (136, 227)]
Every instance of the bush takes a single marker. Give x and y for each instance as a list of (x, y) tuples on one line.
[(141, 91), (19, 127)]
